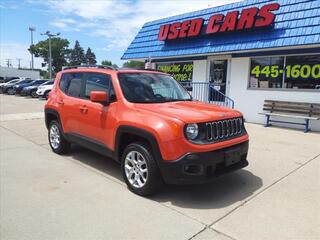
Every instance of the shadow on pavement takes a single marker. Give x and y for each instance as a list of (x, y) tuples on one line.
[(222, 192), (97, 161)]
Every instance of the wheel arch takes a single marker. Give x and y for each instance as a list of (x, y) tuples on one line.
[(51, 114), (128, 134)]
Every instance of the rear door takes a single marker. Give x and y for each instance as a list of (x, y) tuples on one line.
[(69, 101)]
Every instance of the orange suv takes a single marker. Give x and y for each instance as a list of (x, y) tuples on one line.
[(146, 121)]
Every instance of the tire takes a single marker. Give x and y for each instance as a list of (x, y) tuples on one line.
[(151, 178), (46, 95), (10, 91), (33, 94), (57, 141)]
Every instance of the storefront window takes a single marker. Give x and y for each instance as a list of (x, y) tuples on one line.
[(302, 72), (291, 72), (266, 72), (179, 71)]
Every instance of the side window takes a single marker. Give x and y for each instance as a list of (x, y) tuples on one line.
[(98, 82), (74, 88), (71, 84)]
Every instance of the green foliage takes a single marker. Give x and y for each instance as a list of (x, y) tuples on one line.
[(106, 63), (133, 64), (90, 57), (59, 51), (77, 56), (109, 63)]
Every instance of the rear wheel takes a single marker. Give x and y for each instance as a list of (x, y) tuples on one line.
[(57, 141), (46, 95), (140, 170)]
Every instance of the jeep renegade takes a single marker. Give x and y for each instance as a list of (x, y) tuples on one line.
[(146, 121)]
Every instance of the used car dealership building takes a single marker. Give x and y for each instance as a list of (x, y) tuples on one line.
[(251, 51)]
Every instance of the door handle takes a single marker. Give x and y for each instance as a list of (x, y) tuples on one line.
[(60, 102), (84, 109)]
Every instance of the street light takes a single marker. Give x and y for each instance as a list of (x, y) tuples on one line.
[(50, 35), (32, 29)]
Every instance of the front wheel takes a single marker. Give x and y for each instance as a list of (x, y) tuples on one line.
[(11, 91), (57, 141), (140, 170), (34, 94)]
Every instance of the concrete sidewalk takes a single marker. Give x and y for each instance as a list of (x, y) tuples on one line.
[(82, 195)]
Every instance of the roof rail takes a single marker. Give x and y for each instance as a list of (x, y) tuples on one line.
[(89, 66)]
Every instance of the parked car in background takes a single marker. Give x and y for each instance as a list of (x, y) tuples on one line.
[(44, 89), (3, 86), (9, 88), (31, 90), (18, 88)]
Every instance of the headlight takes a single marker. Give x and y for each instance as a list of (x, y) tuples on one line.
[(192, 131)]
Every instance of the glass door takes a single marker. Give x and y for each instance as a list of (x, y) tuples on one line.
[(218, 74), (218, 78)]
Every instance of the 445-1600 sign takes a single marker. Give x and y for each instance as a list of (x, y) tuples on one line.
[(291, 71)]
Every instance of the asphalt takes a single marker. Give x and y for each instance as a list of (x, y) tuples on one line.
[(83, 196)]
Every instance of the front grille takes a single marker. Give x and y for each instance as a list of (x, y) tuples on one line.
[(221, 130)]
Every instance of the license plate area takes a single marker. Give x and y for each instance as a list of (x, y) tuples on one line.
[(232, 157)]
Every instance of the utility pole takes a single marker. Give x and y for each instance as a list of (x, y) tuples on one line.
[(32, 29), (19, 60), (8, 62), (50, 35)]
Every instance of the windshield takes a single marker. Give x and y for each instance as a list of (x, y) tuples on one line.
[(151, 88), (47, 83), (13, 81)]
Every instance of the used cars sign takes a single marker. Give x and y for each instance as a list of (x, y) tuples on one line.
[(249, 18)]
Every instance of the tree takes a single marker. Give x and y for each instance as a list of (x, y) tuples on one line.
[(106, 63), (133, 64), (59, 50), (90, 57), (109, 63), (77, 56)]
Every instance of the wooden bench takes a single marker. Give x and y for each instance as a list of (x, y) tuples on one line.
[(296, 110)]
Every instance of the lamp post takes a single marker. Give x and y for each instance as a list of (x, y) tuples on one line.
[(32, 29), (50, 35)]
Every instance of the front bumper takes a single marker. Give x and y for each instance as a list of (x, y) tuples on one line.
[(203, 167), (40, 92)]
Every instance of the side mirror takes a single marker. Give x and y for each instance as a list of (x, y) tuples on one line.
[(99, 97)]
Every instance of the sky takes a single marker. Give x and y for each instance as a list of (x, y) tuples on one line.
[(98, 24)]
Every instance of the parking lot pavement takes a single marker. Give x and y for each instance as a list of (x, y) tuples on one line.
[(82, 195)]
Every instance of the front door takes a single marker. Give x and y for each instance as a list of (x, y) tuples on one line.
[(218, 79), (96, 119)]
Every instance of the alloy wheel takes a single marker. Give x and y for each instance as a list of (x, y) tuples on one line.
[(54, 136), (136, 169)]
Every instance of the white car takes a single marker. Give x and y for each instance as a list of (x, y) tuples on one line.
[(44, 89)]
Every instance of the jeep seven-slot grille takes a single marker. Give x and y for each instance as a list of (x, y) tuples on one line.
[(220, 130)]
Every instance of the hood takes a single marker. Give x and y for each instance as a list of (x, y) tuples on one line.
[(190, 112)]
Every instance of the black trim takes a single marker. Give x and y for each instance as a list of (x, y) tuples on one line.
[(205, 166), (140, 133), (180, 59), (277, 52), (91, 144), (48, 111)]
